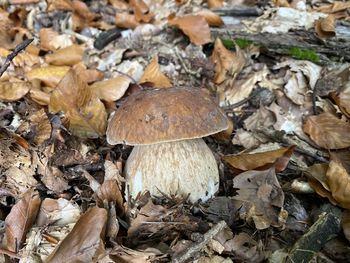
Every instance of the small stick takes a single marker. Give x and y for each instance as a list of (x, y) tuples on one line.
[(14, 53), (199, 246)]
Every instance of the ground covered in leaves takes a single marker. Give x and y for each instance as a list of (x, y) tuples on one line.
[(284, 161)]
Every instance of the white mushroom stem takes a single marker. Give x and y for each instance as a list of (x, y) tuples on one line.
[(174, 168)]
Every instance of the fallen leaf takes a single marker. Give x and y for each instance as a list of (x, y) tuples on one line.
[(244, 162), (325, 27), (63, 5), (54, 180), (111, 89), (153, 74), (296, 88), (262, 190), (12, 91), (85, 243), (346, 224), (123, 254), (262, 118), (52, 40), (215, 3), (339, 183), (86, 113), (66, 56), (212, 18), (245, 138), (141, 11), (58, 212), (327, 131), (193, 26), (87, 75), (318, 172), (21, 219), (126, 20), (50, 75), (109, 192), (226, 62), (40, 97), (334, 7), (40, 126)]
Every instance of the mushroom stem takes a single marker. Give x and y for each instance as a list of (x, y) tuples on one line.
[(174, 168)]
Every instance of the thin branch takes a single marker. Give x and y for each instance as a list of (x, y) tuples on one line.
[(14, 53)]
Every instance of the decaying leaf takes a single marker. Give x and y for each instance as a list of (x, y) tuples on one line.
[(123, 254), (215, 3), (212, 18), (109, 192), (296, 88), (226, 62), (20, 220), (141, 11), (244, 162), (126, 20), (325, 27), (66, 56), (328, 131), (111, 89), (339, 183), (50, 75), (263, 192), (12, 91), (193, 26), (153, 74), (52, 40), (85, 243), (86, 113), (342, 97)]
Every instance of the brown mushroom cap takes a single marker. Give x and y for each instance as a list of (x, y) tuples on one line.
[(165, 115)]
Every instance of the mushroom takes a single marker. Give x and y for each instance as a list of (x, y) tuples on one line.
[(166, 127)]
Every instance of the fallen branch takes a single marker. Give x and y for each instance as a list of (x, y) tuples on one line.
[(191, 251), (14, 53)]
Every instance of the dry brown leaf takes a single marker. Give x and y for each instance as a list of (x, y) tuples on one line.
[(88, 75), (226, 62), (109, 192), (12, 91), (54, 180), (318, 172), (226, 134), (119, 4), (244, 162), (50, 75), (40, 97), (342, 97), (319, 189), (215, 3), (339, 183), (212, 18), (66, 56), (21, 219), (334, 7), (325, 27), (63, 5), (263, 191), (40, 126), (85, 243), (85, 112), (51, 40), (141, 11), (193, 26), (111, 89), (327, 131), (126, 20), (123, 254), (296, 88), (262, 118), (346, 224), (153, 74)]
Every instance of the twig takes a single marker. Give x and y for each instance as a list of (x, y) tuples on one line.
[(14, 53), (199, 246), (9, 253)]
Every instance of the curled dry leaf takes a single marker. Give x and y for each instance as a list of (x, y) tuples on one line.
[(342, 97), (244, 162), (212, 18), (109, 192), (339, 183), (66, 56), (215, 3), (226, 62), (327, 131), (126, 20), (20, 220), (193, 26), (325, 27), (52, 40), (111, 89), (12, 91), (346, 224), (88, 75), (153, 74), (50, 75), (141, 11), (86, 113), (85, 243), (262, 190), (40, 126)]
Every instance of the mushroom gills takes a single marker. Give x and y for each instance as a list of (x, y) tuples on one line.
[(174, 168)]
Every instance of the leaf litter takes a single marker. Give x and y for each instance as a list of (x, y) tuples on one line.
[(283, 159)]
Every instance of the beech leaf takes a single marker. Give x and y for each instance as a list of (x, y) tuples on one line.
[(153, 74), (86, 113), (327, 131), (20, 220), (12, 91), (66, 56), (50, 75), (85, 243)]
